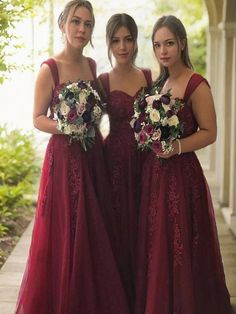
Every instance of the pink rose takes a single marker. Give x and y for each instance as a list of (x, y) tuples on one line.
[(142, 137)]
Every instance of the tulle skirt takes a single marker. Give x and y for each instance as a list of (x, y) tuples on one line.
[(71, 268)]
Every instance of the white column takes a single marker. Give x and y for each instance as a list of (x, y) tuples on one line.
[(214, 75), (230, 211), (224, 86), (230, 127)]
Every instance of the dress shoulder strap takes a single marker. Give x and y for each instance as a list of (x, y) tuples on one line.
[(54, 70), (148, 76), (93, 67), (193, 83), (104, 79)]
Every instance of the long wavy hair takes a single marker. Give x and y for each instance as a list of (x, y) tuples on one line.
[(177, 28)]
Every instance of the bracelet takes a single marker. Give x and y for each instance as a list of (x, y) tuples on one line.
[(179, 144)]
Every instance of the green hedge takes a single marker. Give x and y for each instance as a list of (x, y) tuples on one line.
[(18, 174)]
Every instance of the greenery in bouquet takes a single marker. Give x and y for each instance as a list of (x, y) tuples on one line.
[(78, 112), (155, 121)]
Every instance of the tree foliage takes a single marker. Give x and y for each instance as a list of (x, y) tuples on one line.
[(11, 13), (18, 173)]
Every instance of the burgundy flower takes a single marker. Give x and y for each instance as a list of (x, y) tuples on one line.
[(142, 138), (56, 99), (137, 126), (142, 104), (156, 104), (157, 147), (89, 106), (91, 99), (142, 117), (165, 99), (82, 85), (86, 116), (148, 129), (169, 113), (72, 115)]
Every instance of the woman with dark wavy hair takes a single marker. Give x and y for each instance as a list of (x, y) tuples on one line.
[(122, 85), (179, 266)]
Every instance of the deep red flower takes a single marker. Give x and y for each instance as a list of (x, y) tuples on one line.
[(72, 115), (148, 129), (142, 138), (169, 113), (142, 104), (156, 104), (157, 147)]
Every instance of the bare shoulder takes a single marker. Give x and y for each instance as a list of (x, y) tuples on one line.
[(202, 90), (44, 77), (202, 97)]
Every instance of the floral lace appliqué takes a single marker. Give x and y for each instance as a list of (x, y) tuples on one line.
[(47, 173), (153, 210), (74, 178), (173, 204)]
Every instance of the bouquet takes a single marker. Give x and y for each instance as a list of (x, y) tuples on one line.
[(155, 122), (79, 110)]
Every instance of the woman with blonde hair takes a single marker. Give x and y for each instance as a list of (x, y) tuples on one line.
[(71, 268)]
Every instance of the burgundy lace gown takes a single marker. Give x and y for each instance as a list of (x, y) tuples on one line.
[(179, 266), (124, 164), (71, 268)]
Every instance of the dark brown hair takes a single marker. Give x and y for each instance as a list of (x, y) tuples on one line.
[(114, 23), (177, 28)]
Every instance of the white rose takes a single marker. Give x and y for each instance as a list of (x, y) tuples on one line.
[(82, 98), (64, 108), (154, 115), (74, 85), (97, 111), (173, 121)]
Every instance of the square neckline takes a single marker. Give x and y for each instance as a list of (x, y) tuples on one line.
[(55, 72)]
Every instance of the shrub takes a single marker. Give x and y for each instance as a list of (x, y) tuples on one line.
[(18, 174)]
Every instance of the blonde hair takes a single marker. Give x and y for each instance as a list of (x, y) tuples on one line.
[(75, 4)]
